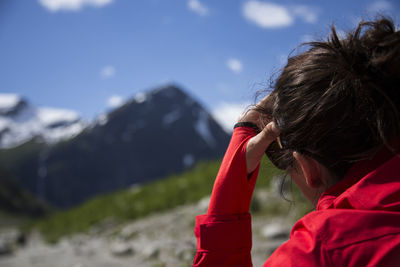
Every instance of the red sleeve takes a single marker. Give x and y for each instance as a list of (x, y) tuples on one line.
[(223, 240), (233, 187), (224, 234)]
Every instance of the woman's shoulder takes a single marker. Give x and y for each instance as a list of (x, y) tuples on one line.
[(338, 227), (342, 237)]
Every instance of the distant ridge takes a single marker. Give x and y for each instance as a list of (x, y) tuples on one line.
[(16, 201), (157, 133), (20, 122)]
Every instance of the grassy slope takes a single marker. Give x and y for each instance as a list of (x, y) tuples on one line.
[(15, 200), (15, 158), (128, 204)]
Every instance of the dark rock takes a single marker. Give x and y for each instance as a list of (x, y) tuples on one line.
[(121, 249)]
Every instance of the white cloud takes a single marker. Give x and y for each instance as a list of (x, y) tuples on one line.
[(234, 65), (379, 6), (72, 5), (115, 101), (227, 114), (308, 14), (271, 15), (107, 72), (267, 15), (197, 7)]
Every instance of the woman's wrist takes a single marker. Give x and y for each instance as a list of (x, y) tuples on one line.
[(247, 124)]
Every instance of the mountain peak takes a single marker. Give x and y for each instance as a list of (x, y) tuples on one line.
[(20, 122), (11, 104), (166, 91), (159, 132)]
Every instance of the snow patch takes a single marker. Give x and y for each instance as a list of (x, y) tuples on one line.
[(102, 119), (52, 116), (203, 129), (115, 101), (8, 101), (3, 124), (64, 132), (140, 97), (171, 117), (50, 124), (188, 160)]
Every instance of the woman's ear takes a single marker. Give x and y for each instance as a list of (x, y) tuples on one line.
[(311, 170)]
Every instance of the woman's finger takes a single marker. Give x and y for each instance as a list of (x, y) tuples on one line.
[(259, 114), (257, 145)]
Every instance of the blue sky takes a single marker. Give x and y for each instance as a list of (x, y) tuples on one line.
[(86, 55)]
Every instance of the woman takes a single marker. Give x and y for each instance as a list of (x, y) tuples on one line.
[(332, 122)]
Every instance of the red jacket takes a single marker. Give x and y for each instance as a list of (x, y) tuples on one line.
[(356, 223)]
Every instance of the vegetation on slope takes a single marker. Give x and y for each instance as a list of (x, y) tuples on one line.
[(138, 201), (14, 200)]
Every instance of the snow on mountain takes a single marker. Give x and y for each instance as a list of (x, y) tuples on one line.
[(59, 124), (203, 129), (157, 133), (52, 117), (188, 160), (8, 102), (171, 117), (140, 97), (20, 122)]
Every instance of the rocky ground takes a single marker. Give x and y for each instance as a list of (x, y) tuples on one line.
[(160, 240)]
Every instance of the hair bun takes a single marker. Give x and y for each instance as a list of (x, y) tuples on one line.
[(340, 99), (383, 43)]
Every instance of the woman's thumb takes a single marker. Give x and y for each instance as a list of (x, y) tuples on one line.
[(269, 133)]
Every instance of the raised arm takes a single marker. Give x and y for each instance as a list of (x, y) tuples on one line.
[(224, 233)]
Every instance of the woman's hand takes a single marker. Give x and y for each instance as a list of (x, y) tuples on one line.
[(258, 144), (260, 114)]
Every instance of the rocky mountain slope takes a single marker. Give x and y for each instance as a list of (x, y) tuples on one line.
[(159, 132)]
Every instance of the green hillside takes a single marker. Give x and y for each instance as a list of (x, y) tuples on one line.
[(15, 201), (128, 204)]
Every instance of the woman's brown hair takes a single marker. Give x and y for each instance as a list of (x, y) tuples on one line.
[(338, 101)]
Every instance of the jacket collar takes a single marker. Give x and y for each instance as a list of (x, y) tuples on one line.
[(369, 184)]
